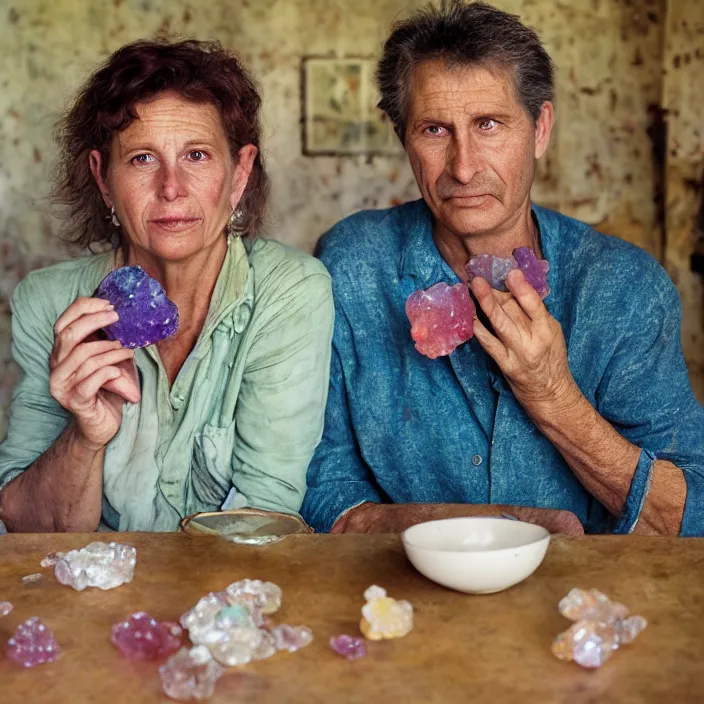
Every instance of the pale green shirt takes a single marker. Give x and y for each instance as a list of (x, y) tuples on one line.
[(240, 423)]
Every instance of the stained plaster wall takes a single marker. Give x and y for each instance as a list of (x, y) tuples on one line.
[(601, 167)]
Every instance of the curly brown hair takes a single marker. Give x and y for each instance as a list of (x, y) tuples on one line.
[(199, 71)]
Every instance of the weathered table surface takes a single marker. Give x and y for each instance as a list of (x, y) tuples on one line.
[(463, 648)]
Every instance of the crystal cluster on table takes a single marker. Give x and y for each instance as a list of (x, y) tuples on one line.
[(32, 644), (102, 565), (146, 315), (442, 317), (601, 627), (495, 269), (142, 637), (229, 628), (349, 647), (384, 617)]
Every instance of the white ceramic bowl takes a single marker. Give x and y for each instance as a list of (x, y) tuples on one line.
[(476, 555)]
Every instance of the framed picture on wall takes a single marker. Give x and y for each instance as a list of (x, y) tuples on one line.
[(339, 109)]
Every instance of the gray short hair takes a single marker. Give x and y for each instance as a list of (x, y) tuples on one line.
[(463, 34)]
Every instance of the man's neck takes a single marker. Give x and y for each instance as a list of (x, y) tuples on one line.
[(456, 249)]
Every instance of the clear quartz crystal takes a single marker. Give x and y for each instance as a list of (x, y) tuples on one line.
[(266, 596), (190, 674), (5, 608), (601, 627), (102, 565), (292, 638)]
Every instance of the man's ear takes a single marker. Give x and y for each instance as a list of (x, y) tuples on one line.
[(95, 159), (543, 128)]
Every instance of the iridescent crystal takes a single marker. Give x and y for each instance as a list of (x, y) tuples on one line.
[(102, 565), (495, 269), (190, 674), (201, 619), (146, 314), (265, 596), (143, 638), (292, 638), (32, 644), (5, 608), (442, 317), (601, 627), (348, 646), (384, 617)]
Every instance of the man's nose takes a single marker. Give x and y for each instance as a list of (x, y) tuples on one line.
[(465, 159)]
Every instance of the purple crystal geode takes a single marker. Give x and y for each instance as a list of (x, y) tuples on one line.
[(495, 269), (146, 314)]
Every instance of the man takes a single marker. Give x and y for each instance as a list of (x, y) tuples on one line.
[(573, 412)]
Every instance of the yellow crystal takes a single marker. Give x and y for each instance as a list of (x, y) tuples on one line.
[(384, 617)]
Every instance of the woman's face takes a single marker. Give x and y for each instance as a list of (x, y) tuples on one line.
[(171, 177)]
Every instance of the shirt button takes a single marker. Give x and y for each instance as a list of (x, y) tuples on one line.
[(476, 460)]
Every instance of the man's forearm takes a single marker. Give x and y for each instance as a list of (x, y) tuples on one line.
[(605, 462), (61, 491), (395, 518)]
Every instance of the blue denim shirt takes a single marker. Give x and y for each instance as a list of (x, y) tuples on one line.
[(403, 428)]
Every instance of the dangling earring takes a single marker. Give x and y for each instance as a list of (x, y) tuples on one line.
[(113, 217), (235, 223)]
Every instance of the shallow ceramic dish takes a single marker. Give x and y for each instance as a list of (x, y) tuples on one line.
[(476, 555), (247, 526)]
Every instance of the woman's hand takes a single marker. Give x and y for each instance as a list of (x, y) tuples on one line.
[(527, 344), (91, 378)]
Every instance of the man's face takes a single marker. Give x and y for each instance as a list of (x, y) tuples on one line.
[(472, 146)]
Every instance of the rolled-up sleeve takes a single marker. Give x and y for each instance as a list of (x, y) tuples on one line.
[(338, 477), (645, 393), (36, 419)]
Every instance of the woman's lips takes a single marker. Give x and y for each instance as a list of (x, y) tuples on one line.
[(175, 224)]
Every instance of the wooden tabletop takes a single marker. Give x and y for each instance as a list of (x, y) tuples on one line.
[(493, 648)]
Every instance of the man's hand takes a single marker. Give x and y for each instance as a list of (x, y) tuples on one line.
[(527, 344), (395, 518)]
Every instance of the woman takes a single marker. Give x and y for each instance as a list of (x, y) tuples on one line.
[(160, 154)]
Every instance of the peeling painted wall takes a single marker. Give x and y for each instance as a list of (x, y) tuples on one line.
[(605, 165)]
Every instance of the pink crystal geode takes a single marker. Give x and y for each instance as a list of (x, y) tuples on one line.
[(348, 647), (33, 644), (146, 314), (142, 637), (600, 627), (495, 269), (442, 317)]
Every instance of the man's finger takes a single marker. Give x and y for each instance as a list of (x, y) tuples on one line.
[(526, 296), (492, 345), (505, 328)]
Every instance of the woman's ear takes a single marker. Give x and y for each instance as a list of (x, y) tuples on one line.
[(95, 159), (245, 163)]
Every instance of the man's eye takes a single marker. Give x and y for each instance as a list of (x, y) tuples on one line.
[(435, 129), (197, 155), (143, 159), (487, 124)]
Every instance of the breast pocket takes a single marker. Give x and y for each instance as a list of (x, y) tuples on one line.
[(211, 468)]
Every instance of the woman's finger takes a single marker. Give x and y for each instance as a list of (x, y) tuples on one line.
[(79, 355), (86, 391), (76, 332), (81, 306), (90, 366)]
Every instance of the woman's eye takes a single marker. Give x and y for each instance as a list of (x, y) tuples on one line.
[(197, 155), (487, 125), (143, 159)]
